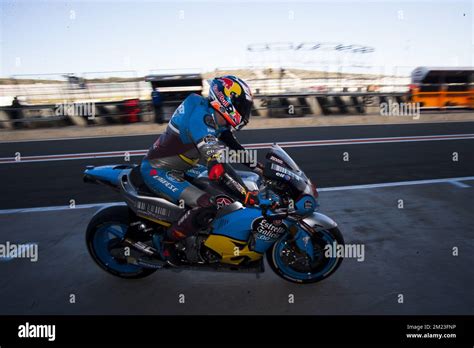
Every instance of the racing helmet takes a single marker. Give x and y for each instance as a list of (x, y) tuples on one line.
[(232, 98)]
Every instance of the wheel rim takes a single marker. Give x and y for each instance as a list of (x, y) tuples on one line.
[(297, 266), (108, 240)]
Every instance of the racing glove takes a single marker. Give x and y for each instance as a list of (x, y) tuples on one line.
[(251, 198), (259, 169)]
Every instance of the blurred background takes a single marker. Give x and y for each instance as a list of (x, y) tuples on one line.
[(136, 61)]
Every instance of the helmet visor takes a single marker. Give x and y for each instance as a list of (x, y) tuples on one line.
[(244, 108)]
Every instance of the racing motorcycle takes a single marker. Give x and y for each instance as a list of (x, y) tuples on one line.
[(124, 240)]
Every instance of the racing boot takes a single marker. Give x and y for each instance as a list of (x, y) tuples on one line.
[(188, 225), (191, 222), (166, 249)]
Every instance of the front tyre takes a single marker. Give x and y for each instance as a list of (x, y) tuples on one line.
[(294, 266), (104, 239)]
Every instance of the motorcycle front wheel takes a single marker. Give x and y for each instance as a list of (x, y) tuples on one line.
[(293, 265)]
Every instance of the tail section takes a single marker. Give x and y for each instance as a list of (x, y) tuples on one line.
[(145, 205), (108, 175)]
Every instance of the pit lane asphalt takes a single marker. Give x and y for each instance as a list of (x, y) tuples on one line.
[(52, 183), (407, 252)]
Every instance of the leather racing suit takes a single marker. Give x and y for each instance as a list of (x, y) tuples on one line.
[(192, 134)]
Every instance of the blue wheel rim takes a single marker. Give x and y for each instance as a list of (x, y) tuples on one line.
[(103, 238), (290, 272)]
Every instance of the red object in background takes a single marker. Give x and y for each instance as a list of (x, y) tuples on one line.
[(132, 109)]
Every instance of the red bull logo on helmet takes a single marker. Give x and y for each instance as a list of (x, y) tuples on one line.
[(221, 97), (222, 94), (231, 87)]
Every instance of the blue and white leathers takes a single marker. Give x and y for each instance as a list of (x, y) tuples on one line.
[(192, 134)]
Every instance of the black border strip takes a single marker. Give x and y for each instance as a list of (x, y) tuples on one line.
[(289, 330)]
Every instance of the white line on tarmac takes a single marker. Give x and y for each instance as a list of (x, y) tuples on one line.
[(285, 144), (459, 184), (398, 183), (57, 208), (455, 181)]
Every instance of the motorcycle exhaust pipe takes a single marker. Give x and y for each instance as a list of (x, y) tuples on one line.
[(142, 247), (149, 259)]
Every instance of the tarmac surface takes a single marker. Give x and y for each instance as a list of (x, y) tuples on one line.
[(48, 182), (408, 251)]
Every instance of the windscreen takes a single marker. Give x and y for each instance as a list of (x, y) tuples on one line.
[(279, 156)]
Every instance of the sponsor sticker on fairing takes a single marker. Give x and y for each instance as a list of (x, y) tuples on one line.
[(266, 230)]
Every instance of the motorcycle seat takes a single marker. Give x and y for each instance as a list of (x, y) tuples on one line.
[(137, 181)]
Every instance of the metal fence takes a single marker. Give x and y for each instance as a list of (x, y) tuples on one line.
[(135, 110), (120, 85)]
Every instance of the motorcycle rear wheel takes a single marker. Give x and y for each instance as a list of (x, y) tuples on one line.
[(104, 235)]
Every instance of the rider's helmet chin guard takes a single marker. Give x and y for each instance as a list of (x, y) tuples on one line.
[(232, 98)]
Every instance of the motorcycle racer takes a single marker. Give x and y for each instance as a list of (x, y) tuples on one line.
[(200, 129)]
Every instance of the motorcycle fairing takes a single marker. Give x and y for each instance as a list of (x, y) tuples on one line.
[(230, 250), (306, 205), (230, 236), (151, 208), (106, 174), (236, 224)]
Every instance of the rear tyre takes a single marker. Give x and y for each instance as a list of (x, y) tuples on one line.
[(104, 239)]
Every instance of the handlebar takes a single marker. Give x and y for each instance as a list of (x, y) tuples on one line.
[(280, 213)]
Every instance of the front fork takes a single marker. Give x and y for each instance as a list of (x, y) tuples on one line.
[(302, 240), (307, 231)]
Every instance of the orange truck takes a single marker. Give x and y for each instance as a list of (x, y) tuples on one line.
[(442, 88)]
